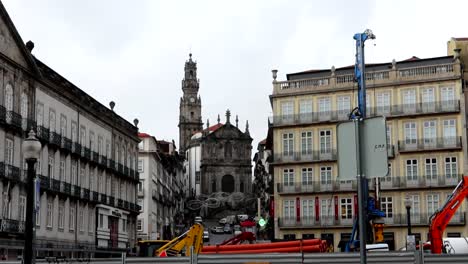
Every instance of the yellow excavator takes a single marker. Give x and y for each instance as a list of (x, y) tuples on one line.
[(180, 246)]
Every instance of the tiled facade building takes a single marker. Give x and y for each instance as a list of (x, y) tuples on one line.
[(424, 103), (161, 191), (87, 167)]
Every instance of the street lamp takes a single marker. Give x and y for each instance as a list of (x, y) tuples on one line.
[(31, 150), (408, 203)]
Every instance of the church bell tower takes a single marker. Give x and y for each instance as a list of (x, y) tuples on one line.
[(190, 106)]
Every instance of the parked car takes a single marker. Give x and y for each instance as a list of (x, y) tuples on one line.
[(227, 229), (206, 236), (198, 219), (217, 230), (237, 230)]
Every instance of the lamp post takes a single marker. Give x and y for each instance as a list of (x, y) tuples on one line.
[(31, 150), (408, 203)]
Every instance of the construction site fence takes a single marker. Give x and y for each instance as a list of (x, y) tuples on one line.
[(391, 257)]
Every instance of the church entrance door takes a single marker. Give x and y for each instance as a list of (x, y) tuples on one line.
[(227, 183)]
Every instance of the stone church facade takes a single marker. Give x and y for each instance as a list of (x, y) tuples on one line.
[(223, 161)]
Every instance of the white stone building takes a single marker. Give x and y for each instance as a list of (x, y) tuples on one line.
[(87, 167)]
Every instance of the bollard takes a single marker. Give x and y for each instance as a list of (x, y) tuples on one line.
[(123, 258)]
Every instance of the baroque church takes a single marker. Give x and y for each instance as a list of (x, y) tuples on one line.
[(218, 157)]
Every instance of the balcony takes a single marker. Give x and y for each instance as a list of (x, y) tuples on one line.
[(103, 161), (450, 106), (86, 153), (419, 181), (111, 164), (95, 196), (85, 194), (95, 157), (125, 171), (132, 173), (66, 144), (76, 148), (391, 151), (316, 187), (76, 191), (119, 203), (44, 182), (14, 120), (132, 206), (120, 168), (66, 188), (28, 125), (55, 185), (314, 222), (126, 205), (422, 219), (2, 114), (42, 134), (55, 139), (111, 201), (414, 145), (10, 172), (310, 156), (11, 226), (103, 198)]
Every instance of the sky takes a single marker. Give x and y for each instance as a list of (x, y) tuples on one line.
[(133, 52)]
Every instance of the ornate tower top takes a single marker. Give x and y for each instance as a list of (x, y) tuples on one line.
[(190, 69)]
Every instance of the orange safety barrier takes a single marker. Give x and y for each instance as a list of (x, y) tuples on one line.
[(264, 246)]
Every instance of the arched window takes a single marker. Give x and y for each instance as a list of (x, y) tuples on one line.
[(116, 158), (24, 109), (129, 159), (9, 97), (123, 159)]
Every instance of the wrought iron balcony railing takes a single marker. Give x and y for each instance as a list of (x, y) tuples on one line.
[(103, 161), (307, 156), (85, 194), (10, 172), (95, 196), (43, 134), (94, 157), (429, 144), (28, 125), (66, 188), (11, 226), (44, 182), (119, 203), (55, 185), (111, 201), (66, 144), (419, 181), (76, 148), (103, 198), (76, 191), (125, 171), (55, 139), (14, 120), (86, 153)]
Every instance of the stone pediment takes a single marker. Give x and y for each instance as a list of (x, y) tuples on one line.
[(11, 44), (227, 132)]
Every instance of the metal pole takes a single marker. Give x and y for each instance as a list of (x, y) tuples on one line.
[(28, 254), (408, 209), (361, 202)]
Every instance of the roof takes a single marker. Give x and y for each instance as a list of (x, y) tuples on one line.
[(462, 39), (215, 127), (143, 135)]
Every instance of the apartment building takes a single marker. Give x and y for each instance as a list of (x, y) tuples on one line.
[(424, 103), (161, 190), (87, 168)]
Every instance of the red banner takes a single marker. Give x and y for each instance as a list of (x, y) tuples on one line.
[(355, 205), (336, 208), (317, 209), (272, 206), (298, 209)]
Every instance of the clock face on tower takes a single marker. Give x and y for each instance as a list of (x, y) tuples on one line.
[(192, 99)]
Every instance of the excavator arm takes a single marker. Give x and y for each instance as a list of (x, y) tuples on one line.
[(181, 244), (440, 219)]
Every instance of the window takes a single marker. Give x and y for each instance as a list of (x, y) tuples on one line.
[(9, 98), (344, 104), (451, 168), (22, 208), (124, 225), (428, 97), (325, 175), (9, 147), (83, 136), (49, 215), (287, 109), (409, 100), (449, 131), (389, 134), (430, 132), (288, 177), (386, 204), (140, 165), (324, 105), (288, 144), (74, 131), (447, 95), (74, 171), (91, 141), (24, 104), (63, 125), (412, 170), (100, 149), (415, 207), (140, 186), (62, 169), (410, 133), (91, 221), (91, 179), (431, 169), (140, 202), (305, 106), (346, 208), (61, 215), (82, 176), (80, 219), (307, 176), (325, 141), (308, 210), (40, 114), (101, 220), (432, 203), (108, 150), (101, 183), (326, 208), (140, 225), (72, 218), (38, 216), (289, 209), (383, 103), (140, 145), (306, 143), (50, 168), (52, 122)]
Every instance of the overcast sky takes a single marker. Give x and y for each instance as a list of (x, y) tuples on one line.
[(133, 52)]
